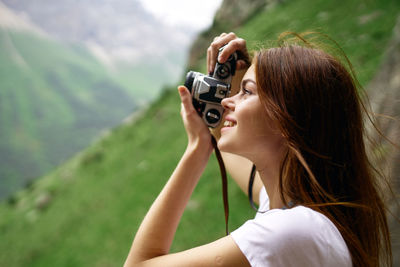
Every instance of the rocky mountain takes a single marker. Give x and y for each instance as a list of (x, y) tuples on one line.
[(114, 31), (8, 19), (229, 16)]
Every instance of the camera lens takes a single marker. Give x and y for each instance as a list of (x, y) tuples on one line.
[(189, 80), (223, 71), (213, 116)]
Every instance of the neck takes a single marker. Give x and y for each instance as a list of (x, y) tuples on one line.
[(270, 179), (268, 164)]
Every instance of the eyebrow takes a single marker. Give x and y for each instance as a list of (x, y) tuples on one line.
[(244, 82)]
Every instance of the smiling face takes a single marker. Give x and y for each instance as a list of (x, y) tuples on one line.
[(247, 129)]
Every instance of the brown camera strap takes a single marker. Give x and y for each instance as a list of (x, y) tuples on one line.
[(224, 182)]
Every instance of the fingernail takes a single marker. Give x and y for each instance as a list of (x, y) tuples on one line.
[(219, 58), (180, 90)]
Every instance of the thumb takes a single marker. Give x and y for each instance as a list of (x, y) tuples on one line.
[(185, 98)]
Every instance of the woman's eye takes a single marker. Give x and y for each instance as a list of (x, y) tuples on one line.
[(246, 92)]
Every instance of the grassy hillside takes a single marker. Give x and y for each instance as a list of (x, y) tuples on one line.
[(54, 99), (86, 212)]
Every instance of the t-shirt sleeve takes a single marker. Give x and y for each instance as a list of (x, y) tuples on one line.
[(293, 237)]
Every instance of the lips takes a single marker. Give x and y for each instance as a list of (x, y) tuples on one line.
[(228, 123)]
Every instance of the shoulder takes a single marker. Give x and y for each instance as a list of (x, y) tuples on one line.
[(302, 232), (300, 222), (295, 224)]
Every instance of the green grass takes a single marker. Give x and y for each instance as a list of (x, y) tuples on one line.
[(98, 198), (54, 99)]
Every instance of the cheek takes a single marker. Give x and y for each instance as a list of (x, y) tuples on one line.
[(263, 130), (252, 119)]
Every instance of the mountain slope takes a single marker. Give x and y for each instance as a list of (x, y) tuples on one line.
[(54, 100), (86, 212), (115, 31), (65, 80)]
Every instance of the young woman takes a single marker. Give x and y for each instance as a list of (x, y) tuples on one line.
[(298, 119)]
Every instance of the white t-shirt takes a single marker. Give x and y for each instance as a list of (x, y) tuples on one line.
[(298, 236)]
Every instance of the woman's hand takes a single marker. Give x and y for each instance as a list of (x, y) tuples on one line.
[(233, 43), (199, 136)]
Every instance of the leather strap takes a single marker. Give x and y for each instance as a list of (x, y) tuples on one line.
[(224, 182), (250, 188)]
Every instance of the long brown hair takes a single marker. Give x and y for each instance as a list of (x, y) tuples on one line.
[(314, 100)]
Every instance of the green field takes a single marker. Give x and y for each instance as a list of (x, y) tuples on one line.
[(86, 212), (54, 100)]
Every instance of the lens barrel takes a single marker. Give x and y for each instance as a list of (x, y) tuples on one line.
[(189, 80)]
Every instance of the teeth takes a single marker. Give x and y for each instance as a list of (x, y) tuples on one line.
[(229, 124)]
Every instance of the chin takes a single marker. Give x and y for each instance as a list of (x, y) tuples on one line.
[(226, 145), (222, 145)]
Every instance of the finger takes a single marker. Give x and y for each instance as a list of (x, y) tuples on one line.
[(222, 35), (224, 38), (237, 44), (210, 56), (186, 99), (209, 61), (212, 51)]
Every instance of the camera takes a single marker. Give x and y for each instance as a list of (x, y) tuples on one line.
[(208, 90)]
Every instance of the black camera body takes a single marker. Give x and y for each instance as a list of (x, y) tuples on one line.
[(208, 90)]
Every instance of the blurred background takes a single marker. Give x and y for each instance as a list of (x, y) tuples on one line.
[(72, 69), (89, 113)]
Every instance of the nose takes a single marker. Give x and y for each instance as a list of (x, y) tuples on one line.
[(228, 103)]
